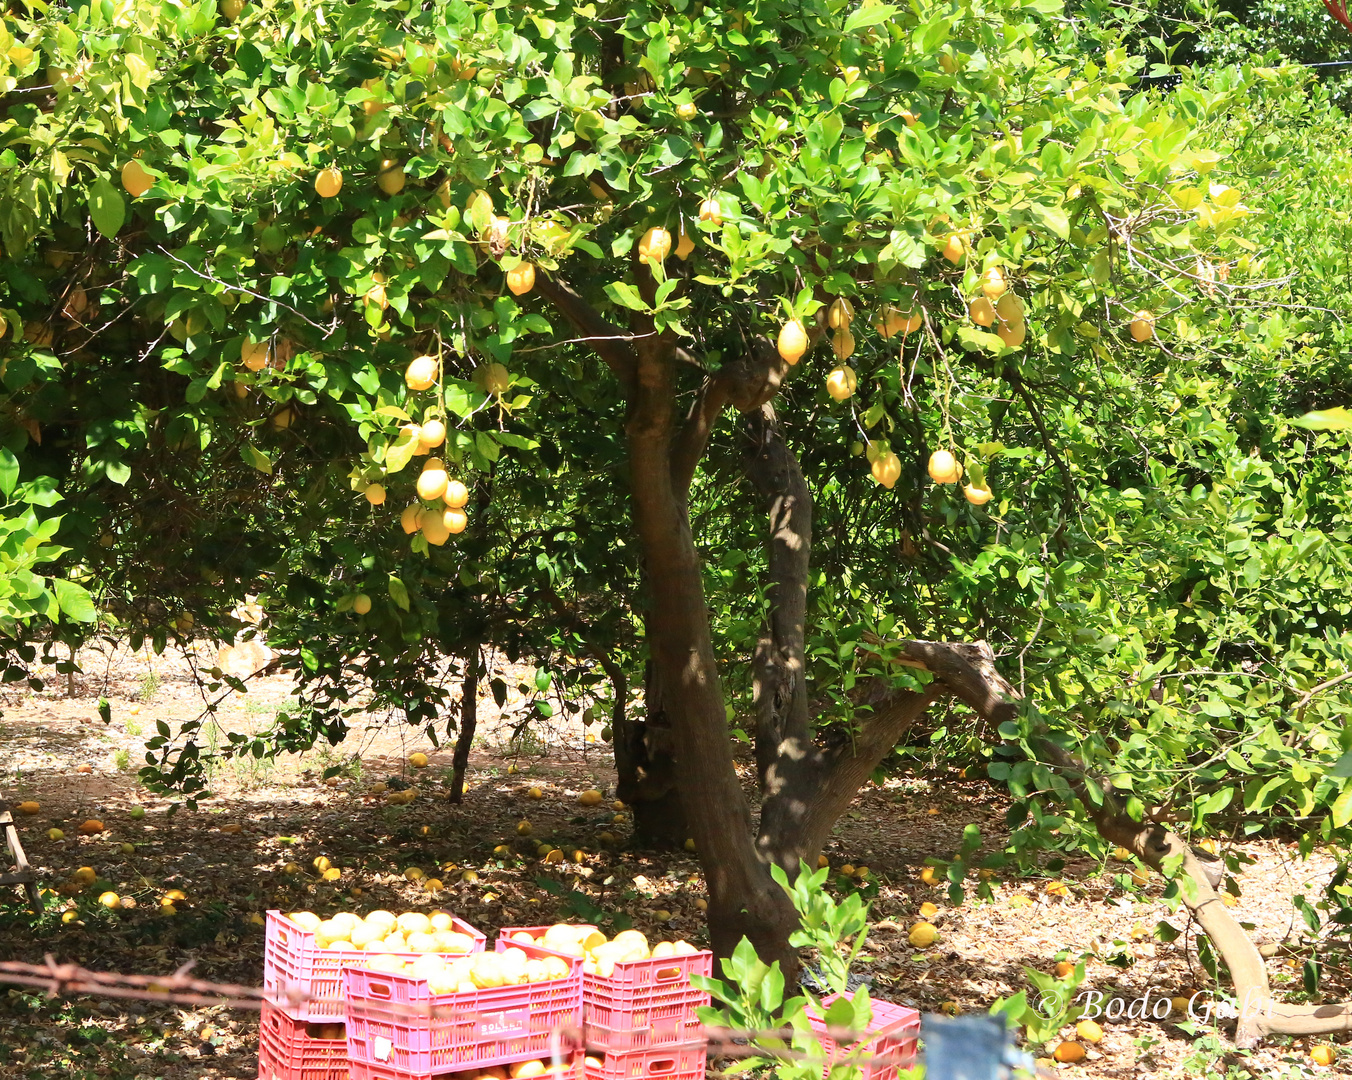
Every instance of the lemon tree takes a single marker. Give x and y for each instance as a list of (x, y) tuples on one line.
[(445, 307)]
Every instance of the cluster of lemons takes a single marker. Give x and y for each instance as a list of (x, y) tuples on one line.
[(890, 321), (446, 515), (385, 932), (599, 956), (482, 971)]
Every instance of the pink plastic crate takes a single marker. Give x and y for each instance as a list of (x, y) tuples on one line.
[(293, 1049), (305, 981), (891, 1042), (668, 1063), (646, 1004), (396, 1021), (537, 932), (367, 1070)]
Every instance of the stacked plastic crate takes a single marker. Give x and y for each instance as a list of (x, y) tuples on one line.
[(641, 1022), (399, 1028), (890, 1045), (302, 1033)]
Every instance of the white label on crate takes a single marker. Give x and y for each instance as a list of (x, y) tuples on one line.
[(513, 1022), (381, 1048)]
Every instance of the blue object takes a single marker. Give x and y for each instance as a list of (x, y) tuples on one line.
[(976, 1047)]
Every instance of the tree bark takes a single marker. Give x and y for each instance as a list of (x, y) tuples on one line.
[(791, 766), (469, 721), (646, 762)]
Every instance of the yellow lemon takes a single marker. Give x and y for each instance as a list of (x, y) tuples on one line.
[(923, 935), (792, 343)]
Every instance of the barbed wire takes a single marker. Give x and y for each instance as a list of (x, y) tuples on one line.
[(69, 980)]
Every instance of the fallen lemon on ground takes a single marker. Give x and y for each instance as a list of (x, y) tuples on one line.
[(927, 909), (1069, 1052), (1322, 1055), (29, 808), (110, 900), (923, 935), (418, 760), (1089, 1031), (591, 797)]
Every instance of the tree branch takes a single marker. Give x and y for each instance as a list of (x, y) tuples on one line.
[(746, 384), (969, 673), (609, 342), (1015, 380)]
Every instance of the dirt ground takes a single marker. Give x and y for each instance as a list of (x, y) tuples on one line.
[(287, 814)]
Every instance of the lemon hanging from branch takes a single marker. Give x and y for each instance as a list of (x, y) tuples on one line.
[(792, 342)]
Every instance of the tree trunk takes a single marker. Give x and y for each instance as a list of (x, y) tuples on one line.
[(469, 720), (789, 763), (743, 899), (646, 763)]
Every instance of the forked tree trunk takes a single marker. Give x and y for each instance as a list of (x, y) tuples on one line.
[(743, 899)]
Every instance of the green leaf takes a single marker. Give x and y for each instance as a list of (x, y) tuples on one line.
[(106, 207), (869, 16), (1342, 808), (255, 457), (398, 592), (1343, 766), (9, 471), (485, 444), (840, 1014), (1338, 419), (401, 452), (74, 601), (1053, 218), (624, 294)]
